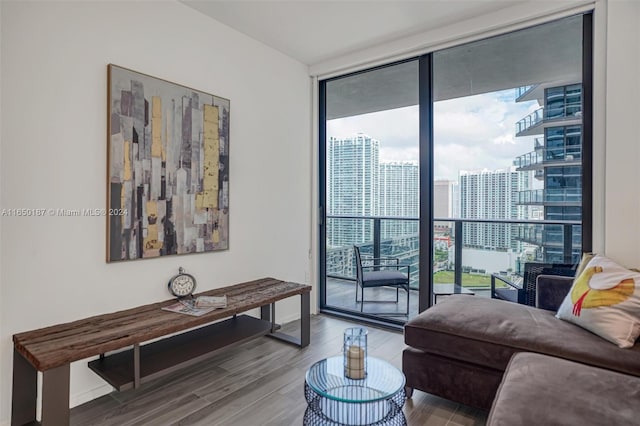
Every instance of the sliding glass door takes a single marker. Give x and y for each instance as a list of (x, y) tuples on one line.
[(371, 185), (463, 163)]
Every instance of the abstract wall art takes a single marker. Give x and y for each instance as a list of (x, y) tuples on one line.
[(168, 168)]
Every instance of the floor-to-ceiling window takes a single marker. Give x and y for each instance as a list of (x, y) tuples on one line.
[(371, 184), (482, 150), (508, 146)]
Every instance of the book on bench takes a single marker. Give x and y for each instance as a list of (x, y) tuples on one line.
[(198, 306)]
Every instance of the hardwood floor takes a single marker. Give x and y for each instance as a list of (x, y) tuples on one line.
[(258, 383)]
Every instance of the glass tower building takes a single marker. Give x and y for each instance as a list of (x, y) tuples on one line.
[(353, 165), (491, 194), (556, 163)]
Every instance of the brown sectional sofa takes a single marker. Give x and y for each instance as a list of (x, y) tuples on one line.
[(459, 349), (543, 390)]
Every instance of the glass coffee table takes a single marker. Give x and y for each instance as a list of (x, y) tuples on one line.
[(333, 399)]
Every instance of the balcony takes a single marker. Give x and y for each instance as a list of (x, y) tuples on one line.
[(528, 161), (458, 257), (529, 121), (551, 197), (541, 157), (549, 236), (521, 92), (534, 123), (538, 143)]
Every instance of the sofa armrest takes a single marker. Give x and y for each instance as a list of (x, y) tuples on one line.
[(551, 291)]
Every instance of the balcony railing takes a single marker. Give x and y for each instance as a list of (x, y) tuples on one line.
[(530, 120), (538, 143), (529, 159), (521, 91), (556, 113), (398, 237), (564, 196), (543, 156), (548, 236)]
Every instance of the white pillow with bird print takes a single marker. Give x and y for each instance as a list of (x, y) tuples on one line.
[(605, 299)]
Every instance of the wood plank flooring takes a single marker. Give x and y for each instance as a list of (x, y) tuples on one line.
[(258, 383)]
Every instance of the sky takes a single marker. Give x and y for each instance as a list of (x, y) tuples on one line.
[(470, 133)]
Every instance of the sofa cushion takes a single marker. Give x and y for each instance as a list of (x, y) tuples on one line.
[(542, 390), (488, 332), (584, 261), (605, 299)]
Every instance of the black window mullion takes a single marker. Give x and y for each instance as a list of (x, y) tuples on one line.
[(587, 132), (425, 99), (322, 192)]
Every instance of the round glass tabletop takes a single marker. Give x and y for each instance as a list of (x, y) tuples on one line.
[(327, 379)]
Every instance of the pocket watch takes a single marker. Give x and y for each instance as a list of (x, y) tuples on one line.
[(182, 285)]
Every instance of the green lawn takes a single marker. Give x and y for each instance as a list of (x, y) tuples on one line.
[(468, 280)]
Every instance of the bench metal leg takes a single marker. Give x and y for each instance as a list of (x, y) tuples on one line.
[(24, 392), (55, 396), (273, 317), (305, 319), (136, 366), (267, 313)]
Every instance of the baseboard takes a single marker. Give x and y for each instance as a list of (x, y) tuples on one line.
[(90, 395)]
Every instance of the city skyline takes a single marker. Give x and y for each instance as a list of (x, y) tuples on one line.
[(466, 132)]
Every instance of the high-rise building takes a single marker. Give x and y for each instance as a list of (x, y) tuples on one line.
[(556, 162), (491, 194), (444, 199), (399, 197), (352, 188), (446, 204)]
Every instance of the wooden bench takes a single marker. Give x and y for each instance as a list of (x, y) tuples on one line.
[(51, 349)]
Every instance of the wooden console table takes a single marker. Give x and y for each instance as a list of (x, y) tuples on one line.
[(52, 349)]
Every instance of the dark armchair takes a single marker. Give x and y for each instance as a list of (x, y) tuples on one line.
[(525, 292), (380, 272), (551, 291)]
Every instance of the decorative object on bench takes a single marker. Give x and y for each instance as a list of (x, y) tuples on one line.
[(168, 171), (335, 400), (524, 292), (51, 350), (354, 350), (386, 273), (183, 284), (605, 299)]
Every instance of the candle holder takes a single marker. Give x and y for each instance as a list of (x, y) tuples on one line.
[(355, 352)]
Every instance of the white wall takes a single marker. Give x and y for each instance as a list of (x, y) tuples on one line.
[(54, 75), (622, 205), (4, 378)]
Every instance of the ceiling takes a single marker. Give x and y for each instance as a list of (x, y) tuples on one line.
[(312, 31), (547, 53)]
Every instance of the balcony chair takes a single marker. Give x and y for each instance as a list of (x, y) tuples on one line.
[(386, 273), (525, 292)]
